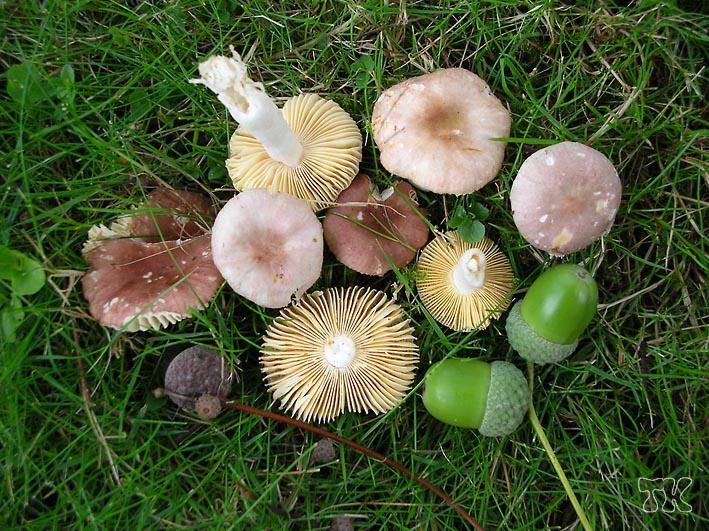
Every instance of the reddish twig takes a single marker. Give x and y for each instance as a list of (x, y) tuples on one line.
[(362, 449)]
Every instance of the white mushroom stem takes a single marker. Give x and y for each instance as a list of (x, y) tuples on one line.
[(340, 351), (249, 105), (469, 273)]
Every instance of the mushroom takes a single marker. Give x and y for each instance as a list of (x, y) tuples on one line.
[(368, 229), (153, 268), (268, 246), (438, 131), (196, 378), (342, 349), (310, 149), (464, 285), (564, 197)]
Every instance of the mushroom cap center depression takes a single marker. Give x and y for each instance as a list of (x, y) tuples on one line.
[(446, 121), (469, 273), (269, 251), (340, 351)]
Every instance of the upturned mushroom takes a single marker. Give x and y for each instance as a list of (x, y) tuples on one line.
[(369, 230), (339, 350), (310, 149), (565, 197), (152, 268), (438, 131), (268, 246), (464, 285)]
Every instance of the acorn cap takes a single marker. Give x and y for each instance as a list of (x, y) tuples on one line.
[(437, 131), (464, 285), (530, 345), (268, 246), (507, 400), (195, 372), (367, 227), (152, 268), (342, 349), (564, 197), (332, 151)]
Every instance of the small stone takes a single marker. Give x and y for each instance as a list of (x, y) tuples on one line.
[(324, 452), (342, 523), (195, 372)]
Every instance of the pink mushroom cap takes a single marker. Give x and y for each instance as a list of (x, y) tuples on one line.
[(564, 197), (153, 268), (437, 131), (268, 246), (366, 227), (139, 285)]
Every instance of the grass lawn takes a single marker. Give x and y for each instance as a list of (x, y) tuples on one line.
[(83, 443)]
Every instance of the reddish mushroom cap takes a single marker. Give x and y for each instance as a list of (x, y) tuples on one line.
[(564, 197), (437, 131), (133, 284), (367, 227), (268, 246), (171, 215)]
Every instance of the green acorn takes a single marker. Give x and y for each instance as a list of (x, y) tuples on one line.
[(545, 326), (471, 393)]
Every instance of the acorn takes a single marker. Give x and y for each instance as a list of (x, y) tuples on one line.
[(470, 393), (196, 378), (545, 326)]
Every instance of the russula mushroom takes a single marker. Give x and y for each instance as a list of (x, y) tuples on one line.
[(564, 197), (152, 268), (268, 246), (471, 393), (196, 378), (546, 325), (437, 131), (368, 228), (339, 350), (464, 285), (310, 149)]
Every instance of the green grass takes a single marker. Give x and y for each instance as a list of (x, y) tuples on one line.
[(630, 403)]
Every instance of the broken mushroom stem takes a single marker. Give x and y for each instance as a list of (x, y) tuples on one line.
[(469, 273), (249, 105), (360, 448)]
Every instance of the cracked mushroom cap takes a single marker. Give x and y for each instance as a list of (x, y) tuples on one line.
[(268, 246), (464, 285), (564, 197), (436, 130), (339, 350), (142, 273), (366, 227), (332, 151)]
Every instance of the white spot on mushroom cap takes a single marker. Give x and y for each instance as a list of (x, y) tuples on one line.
[(549, 160), (360, 215), (418, 87), (543, 218)]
